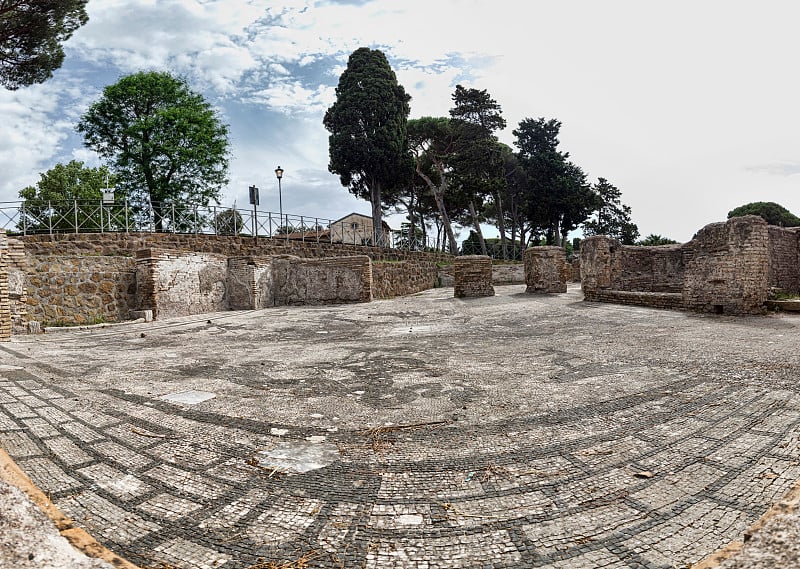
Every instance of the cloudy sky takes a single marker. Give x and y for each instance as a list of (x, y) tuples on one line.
[(691, 108)]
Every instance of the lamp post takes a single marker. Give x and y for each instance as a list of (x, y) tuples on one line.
[(279, 175)]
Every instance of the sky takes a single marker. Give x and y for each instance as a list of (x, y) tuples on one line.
[(691, 108)]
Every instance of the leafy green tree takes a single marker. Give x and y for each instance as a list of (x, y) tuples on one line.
[(228, 222), (31, 34), (559, 197), (66, 197), (611, 216), (167, 145), (653, 240), (368, 144), (432, 141), (476, 162), (772, 213)]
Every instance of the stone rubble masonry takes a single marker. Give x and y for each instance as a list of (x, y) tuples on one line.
[(17, 286), (546, 270), (473, 276), (400, 278), (5, 304), (502, 274), (727, 268), (249, 283)]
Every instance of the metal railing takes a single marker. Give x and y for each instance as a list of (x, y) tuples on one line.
[(72, 216)]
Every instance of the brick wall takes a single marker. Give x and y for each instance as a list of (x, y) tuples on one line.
[(17, 285), (250, 283), (473, 276), (230, 246), (726, 269), (729, 266), (784, 258), (402, 278), (546, 269), (5, 304)]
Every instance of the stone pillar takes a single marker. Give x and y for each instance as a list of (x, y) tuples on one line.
[(597, 259), (5, 302), (473, 276), (546, 269), (146, 280)]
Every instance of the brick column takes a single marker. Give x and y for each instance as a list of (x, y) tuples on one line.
[(546, 269), (473, 276)]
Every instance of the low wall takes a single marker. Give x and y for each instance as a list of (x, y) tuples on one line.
[(402, 277), (178, 284), (321, 281), (250, 283), (784, 258), (227, 245), (502, 274), (727, 268), (79, 290)]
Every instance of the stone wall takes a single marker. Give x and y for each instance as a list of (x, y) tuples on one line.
[(5, 304), (178, 284), (502, 274), (473, 276), (390, 279), (229, 246), (727, 268), (250, 283), (321, 281), (784, 258), (79, 290), (546, 269)]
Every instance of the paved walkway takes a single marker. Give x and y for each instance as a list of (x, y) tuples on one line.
[(420, 432)]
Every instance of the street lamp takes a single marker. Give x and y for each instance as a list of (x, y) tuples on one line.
[(279, 175)]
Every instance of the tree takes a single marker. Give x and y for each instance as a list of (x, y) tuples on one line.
[(66, 197), (772, 213), (166, 143), (559, 198), (431, 140), (477, 165), (653, 240), (368, 143), (611, 216), (31, 34), (228, 222)]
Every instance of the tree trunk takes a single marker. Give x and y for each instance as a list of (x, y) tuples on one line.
[(377, 218), (501, 225), (438, 196), (477, 228)]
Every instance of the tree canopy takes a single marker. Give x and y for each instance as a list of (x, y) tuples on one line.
[(611, 216), (654, 239), (165, 142), (31, 34), (368, 145), (65, 195), (772, 213)]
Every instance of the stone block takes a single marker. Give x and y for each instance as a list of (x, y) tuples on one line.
[(473, 276), (546, 270)]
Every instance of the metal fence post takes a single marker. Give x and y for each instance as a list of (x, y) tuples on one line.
[(24, 220), (75, 205), (50, 216), (126, 215)]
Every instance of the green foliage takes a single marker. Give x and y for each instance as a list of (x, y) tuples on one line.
[(167, 145), (772, 213), (557, 197), (228, 222), (64, 195), (368, 144), (653, 239), (31, 34), (611, 217)]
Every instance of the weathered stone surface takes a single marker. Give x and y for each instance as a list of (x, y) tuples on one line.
[(727, 268), (5, 304), (473, 276), (399, 278), (546, 270)]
